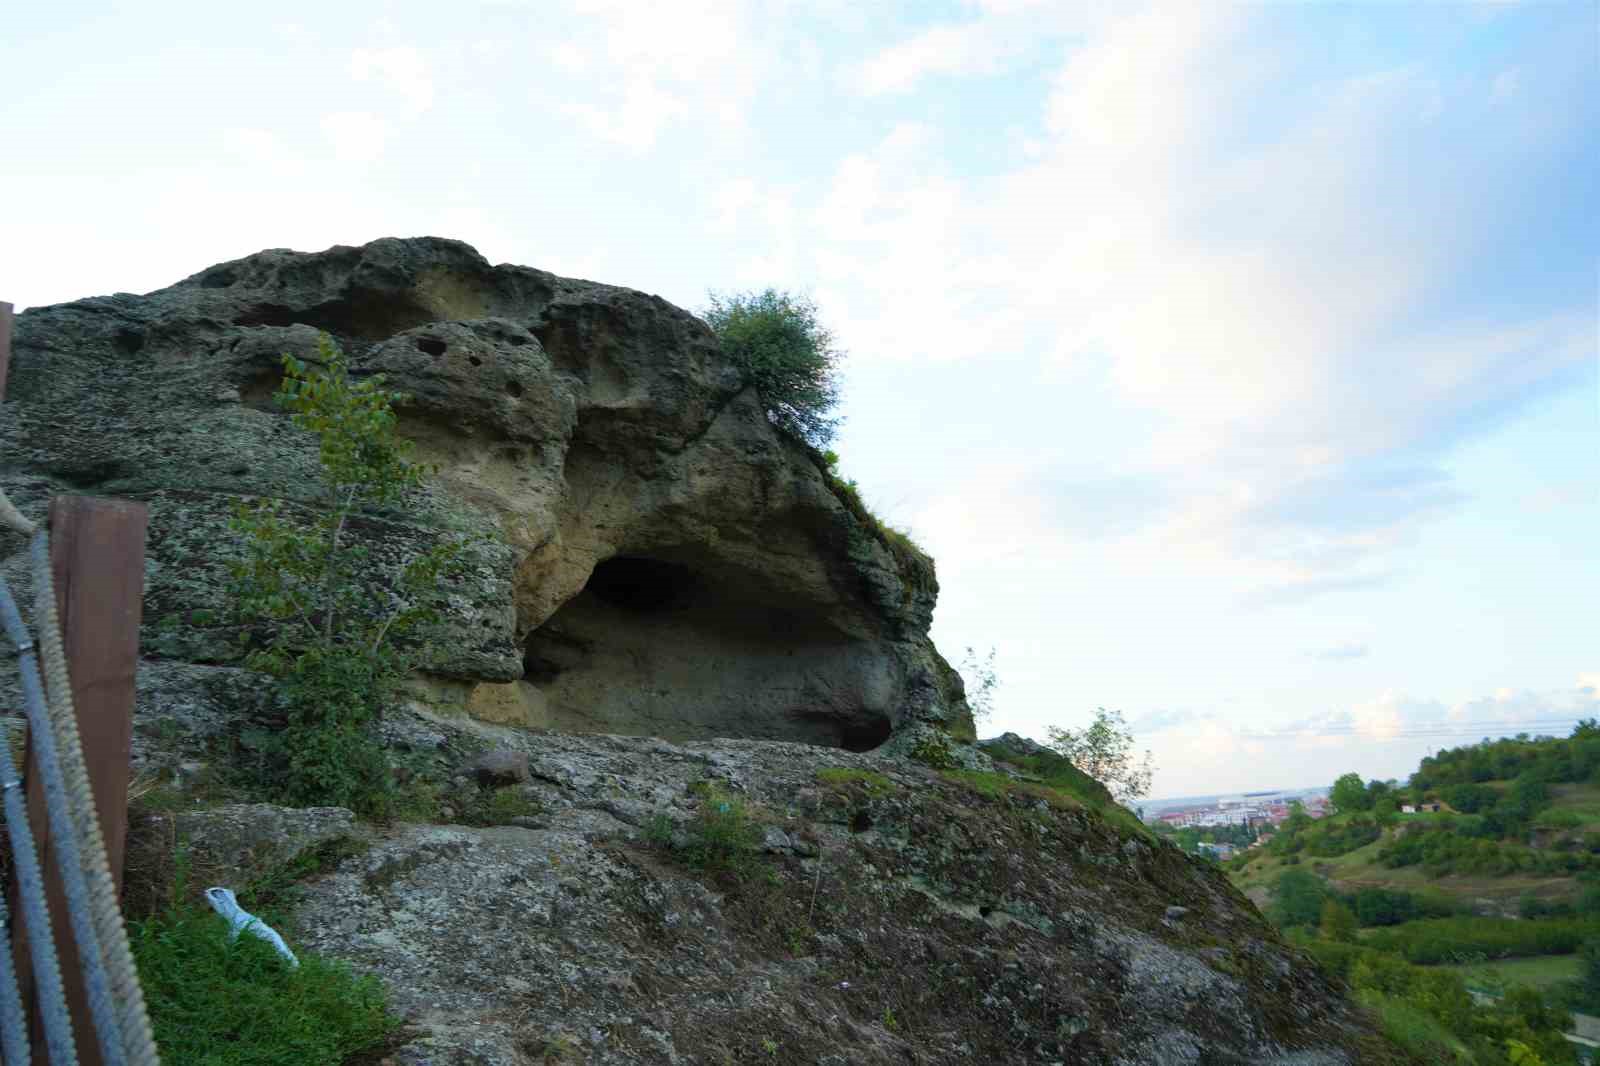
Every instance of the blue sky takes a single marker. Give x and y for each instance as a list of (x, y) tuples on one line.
[(1237, 363)]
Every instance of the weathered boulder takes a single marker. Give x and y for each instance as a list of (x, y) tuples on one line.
[(662, 560)]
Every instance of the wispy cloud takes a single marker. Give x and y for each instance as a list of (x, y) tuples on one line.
[(970, 48), (1262, 281), (403, 69), (1340, 653)]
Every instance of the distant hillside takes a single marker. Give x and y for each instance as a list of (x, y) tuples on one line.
[(1518, 817)]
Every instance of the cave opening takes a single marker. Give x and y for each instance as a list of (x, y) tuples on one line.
[(642, 586), (866, 733), (682, 649)]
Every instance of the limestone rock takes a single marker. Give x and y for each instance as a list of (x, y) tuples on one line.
[(987, 930), (500, 767), (232, 846), (663, 561)]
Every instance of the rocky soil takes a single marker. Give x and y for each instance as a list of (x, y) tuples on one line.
[(891, 915)]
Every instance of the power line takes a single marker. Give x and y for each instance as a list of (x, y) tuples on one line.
[(1464, 730)]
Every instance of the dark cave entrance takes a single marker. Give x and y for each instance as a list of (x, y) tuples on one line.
[(675, 647), (643, 586)]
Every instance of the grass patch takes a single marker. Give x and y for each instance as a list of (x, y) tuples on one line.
[(870, 781), (721, 838), (1057, 795), (281, 888), (914, 565), (213, 1002), (1056, 771), (500, 806), (1419, 1033), (1539, 972), (1579, 799)]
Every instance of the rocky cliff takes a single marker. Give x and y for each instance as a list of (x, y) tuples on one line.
[(664, 561), (664, 570)]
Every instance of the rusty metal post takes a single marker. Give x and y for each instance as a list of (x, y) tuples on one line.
[(97, 564)]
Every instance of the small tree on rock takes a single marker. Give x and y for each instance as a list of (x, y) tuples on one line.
[(785, 353), (981, 682), (324, 617), (1104, 751)]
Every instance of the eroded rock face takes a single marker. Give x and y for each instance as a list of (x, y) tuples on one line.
[(665, 563), (893, 916)]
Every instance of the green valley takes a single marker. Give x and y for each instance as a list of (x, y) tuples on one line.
[(1463, 905)]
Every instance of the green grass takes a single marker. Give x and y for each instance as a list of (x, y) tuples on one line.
[(213, 1002), (1360, 869), (1060, 794), (1539, 971), (1421, 1034), (871, 781), (1580, 799), (723, 837), (502, 806)]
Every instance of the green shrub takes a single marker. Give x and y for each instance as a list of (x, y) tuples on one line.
[(721, 838), (1558, 818), (320, 615), (784, 352), (498, 806), (933, 749), (1437, 940), (238, 1003)]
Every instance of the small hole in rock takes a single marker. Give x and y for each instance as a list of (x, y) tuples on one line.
[(514, 388), (474, 360), (860, 822), (985, 911), (431, 345)]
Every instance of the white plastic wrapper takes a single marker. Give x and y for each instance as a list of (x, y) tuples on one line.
[(224, 902)]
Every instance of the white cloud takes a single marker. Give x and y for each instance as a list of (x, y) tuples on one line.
[(402, 69), (262, 149), (640, 70), (569, 57), (356, 136), (1263, 301), (1340, 652), (950, 49)]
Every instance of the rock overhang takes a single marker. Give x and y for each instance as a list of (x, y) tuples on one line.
[(587, 428)]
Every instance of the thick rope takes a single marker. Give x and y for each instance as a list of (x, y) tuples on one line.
[(12, 518), (59, 808), (138, 1041), (41, 946), (13, 1021)]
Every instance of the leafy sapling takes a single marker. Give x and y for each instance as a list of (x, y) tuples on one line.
[(336, 625)]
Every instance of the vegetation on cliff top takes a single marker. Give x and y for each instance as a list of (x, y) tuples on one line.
[(785, 353), (780, 347)]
